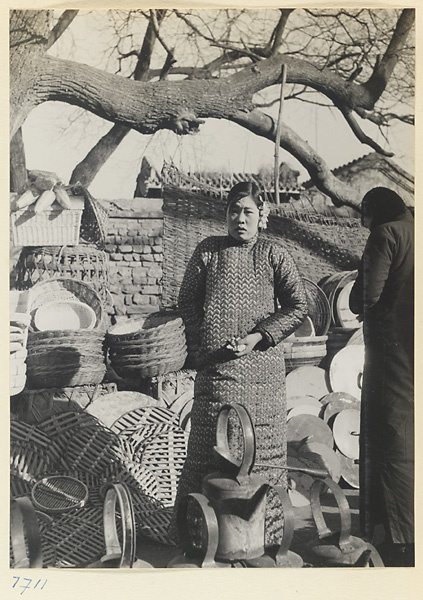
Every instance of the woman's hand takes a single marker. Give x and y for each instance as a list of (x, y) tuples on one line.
[(242, 346)]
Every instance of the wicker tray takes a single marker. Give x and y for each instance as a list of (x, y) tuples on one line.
[(37, 405), (155, 525), (75, 539), (165, 455), (137, 419), (52, 227)]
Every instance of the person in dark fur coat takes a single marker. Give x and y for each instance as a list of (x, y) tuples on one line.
[(383, 294)]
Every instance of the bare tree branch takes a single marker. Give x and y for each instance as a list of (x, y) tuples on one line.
[(360, 135)]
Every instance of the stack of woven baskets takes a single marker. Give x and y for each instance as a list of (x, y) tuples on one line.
[(66, 356), (144, 348)]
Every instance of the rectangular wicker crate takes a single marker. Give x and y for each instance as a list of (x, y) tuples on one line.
[(53, 227)]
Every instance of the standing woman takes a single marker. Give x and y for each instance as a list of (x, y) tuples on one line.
[(384, 295), (229, 294)]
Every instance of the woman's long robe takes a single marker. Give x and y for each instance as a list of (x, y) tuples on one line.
[(230, 289), (384, 294)]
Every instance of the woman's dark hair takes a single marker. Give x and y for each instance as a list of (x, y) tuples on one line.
[(383, 205), (241, 190)]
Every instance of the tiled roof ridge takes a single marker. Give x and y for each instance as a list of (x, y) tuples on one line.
[(377, 158)]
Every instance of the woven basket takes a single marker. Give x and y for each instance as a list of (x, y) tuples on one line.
[(152, 368), (42, 378), (94, 218), (147, 347), (65, 288), (66, 357), (76, 315), (156, 326), (52, 227), (85, 263), (304, 351)]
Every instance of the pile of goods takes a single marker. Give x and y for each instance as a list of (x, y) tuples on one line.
[(143, 348), (144, 449), (324, 421), (64, 271)]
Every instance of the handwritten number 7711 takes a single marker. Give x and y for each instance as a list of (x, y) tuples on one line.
[(38, 585)]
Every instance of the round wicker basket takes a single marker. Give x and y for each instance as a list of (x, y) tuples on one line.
[(65, 289), (147, 347)]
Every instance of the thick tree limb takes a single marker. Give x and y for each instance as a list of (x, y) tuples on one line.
[(385, 66), (62, 24), (277, 35), (18, 172), (88, 168)]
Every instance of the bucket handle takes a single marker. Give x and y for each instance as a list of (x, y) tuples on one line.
[(209, 534), (24, 525), (288, 523), (243, 470), (118, 492), (344, 511)]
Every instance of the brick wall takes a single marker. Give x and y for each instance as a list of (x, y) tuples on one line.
[(135, 247)]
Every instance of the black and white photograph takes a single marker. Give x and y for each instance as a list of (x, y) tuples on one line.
[(211, 290)]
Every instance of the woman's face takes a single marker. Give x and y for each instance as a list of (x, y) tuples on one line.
[(242, 219)]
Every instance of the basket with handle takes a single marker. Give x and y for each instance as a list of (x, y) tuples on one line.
[(52, 227), (86, 263)]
